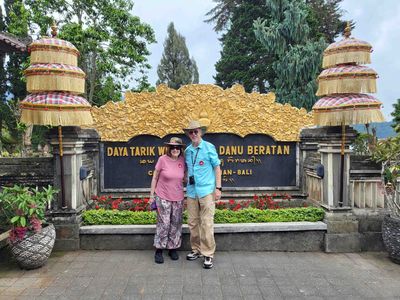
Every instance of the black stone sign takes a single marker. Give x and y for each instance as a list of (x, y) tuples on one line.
[(253, 162)]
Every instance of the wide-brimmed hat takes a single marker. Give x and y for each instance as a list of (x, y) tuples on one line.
[(175, 141), (193, 124)]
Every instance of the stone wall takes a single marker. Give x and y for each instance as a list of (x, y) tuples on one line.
[(292, 236), (31, 171)]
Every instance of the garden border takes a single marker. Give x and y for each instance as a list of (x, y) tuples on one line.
[(275, 236)]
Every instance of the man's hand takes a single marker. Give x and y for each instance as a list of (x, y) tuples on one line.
[(217, 194)]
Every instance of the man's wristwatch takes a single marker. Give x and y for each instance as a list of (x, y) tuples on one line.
[(218, 188)]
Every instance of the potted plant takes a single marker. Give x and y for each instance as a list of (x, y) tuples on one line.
[(31, 239), (388, 153)]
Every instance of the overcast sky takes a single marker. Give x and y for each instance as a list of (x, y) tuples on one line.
[(377, 22)]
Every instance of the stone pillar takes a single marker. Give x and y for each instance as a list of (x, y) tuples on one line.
[(342, 225), (80, 149), (327, 142), (334, 176)]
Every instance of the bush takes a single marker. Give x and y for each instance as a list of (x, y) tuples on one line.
[(118, 217), (248, 215), (24, 209), (388, 153)]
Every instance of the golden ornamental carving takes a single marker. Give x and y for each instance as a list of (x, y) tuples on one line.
[(167, 111)]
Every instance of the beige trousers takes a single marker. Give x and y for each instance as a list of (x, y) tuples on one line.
[(201, 224)]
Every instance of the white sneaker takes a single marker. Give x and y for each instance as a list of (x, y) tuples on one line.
[(208, 262), (193, 255)]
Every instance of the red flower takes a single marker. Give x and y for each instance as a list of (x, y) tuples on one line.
[(36, 224), (237, 207), (114, 204), (17, 233)]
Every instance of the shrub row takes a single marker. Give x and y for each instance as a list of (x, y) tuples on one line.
[(248, 215)]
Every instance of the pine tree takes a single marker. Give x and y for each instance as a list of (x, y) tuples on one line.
[(196, 75), (287, 35), (396, 116), (243, 59), (176, 68), (324, 19), (323, 16)]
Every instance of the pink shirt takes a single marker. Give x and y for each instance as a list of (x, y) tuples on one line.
[(169, 185)]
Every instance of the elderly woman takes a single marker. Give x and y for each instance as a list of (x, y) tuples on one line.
[(167, 192)]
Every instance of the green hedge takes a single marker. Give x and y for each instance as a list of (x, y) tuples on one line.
[(248, 215)]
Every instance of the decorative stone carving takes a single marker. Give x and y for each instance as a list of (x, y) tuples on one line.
[(167, 111)]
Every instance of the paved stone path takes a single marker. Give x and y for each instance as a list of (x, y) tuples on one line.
[(236, 275)]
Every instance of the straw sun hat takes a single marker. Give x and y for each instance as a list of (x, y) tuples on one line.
[(193, 124)]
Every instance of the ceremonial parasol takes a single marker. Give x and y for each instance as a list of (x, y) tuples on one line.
[(343, 84), (55, 80)]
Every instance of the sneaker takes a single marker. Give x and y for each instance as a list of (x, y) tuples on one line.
[(193, 255), (158, 257), (173, 254), (208, 262)]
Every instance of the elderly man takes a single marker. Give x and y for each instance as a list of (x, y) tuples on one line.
[(203, 188)]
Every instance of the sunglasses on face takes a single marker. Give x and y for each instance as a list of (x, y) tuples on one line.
[(175, 148), (194, 132)]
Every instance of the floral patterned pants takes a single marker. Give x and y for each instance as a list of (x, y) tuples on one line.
[(169, 224)]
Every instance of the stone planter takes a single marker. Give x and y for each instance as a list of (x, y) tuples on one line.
[(3, 238), (391, 237), (33, 251)]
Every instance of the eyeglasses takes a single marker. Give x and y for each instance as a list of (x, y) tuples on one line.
[(175, 147), (195, 132)]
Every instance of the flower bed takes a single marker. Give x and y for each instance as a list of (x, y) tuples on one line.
[(262, 202), (247, 215), (260, 209)]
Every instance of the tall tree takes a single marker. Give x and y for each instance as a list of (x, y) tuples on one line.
[(176, 68), (243, 59), (396, 116), (3, 82), (299, 56), (111, 40), (323, 16), (324, 19), (16, 22), (196, 75), (221, 14)]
